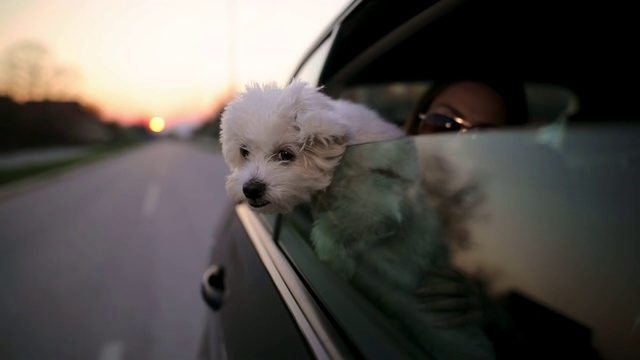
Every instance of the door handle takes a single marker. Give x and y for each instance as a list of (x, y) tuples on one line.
[(212, 287)]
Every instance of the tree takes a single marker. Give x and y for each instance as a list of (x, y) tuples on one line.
[(24, 66), (28, 73)]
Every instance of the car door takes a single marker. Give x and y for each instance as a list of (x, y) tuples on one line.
[(249, 318), (548, 189)]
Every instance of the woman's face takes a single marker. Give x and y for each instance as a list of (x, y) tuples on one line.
[(473, 104)]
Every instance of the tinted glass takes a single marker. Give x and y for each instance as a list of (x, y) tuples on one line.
[(543, 240)]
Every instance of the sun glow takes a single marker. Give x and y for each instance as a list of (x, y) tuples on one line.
[(128, 66), (156, 124)]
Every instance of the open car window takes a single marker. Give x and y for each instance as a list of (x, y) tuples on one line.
[(545, 237)]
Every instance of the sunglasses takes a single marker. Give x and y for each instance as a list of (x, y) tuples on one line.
[(435, 123)]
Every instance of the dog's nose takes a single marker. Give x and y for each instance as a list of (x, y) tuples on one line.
[(254, 189)]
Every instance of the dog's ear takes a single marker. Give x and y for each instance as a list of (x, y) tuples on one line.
[(314, 132), (316, 120)]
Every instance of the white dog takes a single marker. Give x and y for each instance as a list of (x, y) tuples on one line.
[(282, 144), (372, 221)]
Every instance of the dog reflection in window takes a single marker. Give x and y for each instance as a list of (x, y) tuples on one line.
[(376, 227)]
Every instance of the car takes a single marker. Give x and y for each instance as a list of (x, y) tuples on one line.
[(551, 228)]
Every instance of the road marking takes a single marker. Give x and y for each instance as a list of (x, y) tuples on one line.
[(150, 199), (111, 351)]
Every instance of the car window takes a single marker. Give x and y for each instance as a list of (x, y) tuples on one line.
[(533, 225), (547, 104), (547, 237), (393, 101), (312, 66), (550, 103), (550, 107), (356, 317)]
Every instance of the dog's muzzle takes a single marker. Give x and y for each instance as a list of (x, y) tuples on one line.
[(254, 191)]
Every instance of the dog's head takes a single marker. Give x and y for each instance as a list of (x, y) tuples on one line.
[(281, 145)]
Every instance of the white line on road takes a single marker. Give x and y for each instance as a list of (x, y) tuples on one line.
[(150, 199), (111, 351)]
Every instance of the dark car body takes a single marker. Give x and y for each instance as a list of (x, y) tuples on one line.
[(556, 227)]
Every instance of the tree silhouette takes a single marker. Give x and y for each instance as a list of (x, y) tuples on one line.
[(29, 74)]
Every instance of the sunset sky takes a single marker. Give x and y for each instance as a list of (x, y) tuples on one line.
[(171, 58)]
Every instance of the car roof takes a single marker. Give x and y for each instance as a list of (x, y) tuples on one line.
[(586, 48)]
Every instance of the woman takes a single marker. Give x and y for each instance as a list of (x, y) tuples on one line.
[(468, 104)]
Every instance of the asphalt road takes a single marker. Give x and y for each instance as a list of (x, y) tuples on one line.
[(105, 262)]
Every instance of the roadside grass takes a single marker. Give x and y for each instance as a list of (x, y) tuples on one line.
[(13, 174)]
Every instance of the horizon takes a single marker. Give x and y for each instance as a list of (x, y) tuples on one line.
[(138, 59)]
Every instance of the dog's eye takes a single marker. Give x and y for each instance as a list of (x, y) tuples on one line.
[(285, 155), (244, 152)]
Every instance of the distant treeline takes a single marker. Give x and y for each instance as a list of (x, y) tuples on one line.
[(46, 123)]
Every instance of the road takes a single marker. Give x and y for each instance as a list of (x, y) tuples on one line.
[(105, 262)]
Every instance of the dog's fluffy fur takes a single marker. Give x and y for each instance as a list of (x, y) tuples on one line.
[(375, 226), (372, 221), (282, 144)]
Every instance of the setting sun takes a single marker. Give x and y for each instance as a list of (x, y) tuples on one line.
[(113, 56), (156, 124)]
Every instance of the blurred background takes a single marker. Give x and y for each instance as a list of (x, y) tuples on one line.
[(85, 70), (111, 180)]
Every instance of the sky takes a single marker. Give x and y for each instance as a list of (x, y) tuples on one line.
[(134, 59)]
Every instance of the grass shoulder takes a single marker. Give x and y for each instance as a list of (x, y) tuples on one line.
[(16, 173)]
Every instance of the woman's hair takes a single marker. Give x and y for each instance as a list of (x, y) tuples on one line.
[(511, 92)]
